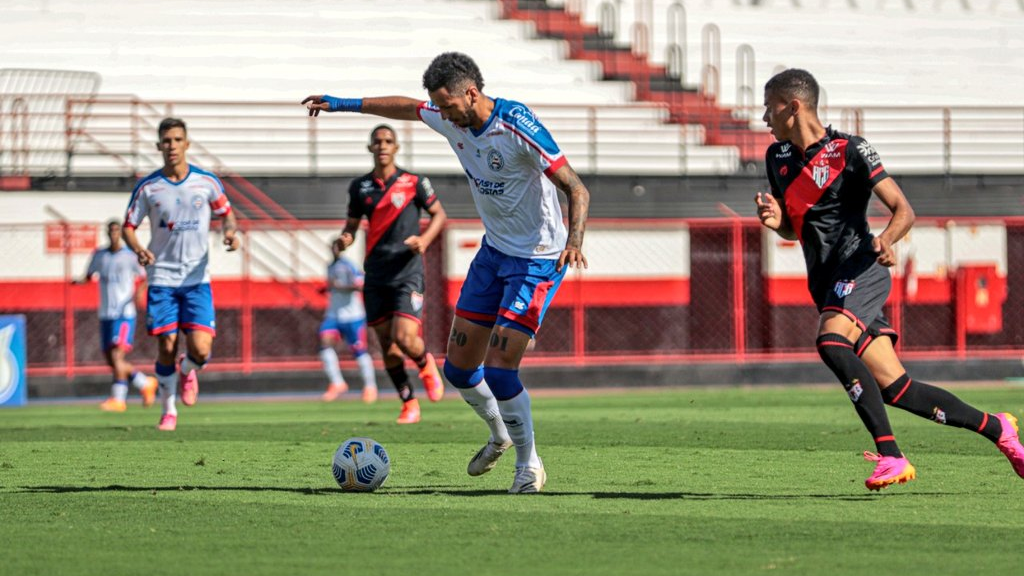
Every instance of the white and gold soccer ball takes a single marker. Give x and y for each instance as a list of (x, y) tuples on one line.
[(360, 465)]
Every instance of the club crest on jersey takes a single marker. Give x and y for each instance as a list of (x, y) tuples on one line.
[(820, 175), (197, 201), (495, 160), (417, 301), (784, 170), (398, 199), (843, 288)]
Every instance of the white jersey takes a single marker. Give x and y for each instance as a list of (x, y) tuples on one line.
[(179, 217), (344, 305), (507, 162), (118, 272)]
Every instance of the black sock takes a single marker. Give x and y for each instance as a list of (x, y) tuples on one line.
[(401, 381), (941, 406), (421, 361), (860, 385)]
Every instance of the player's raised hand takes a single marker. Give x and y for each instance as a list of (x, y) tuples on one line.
[(573, 257), (344, 241), (416, 244), (145, 257), (886, 254), (232, 241), (315, 104), (768, 210)]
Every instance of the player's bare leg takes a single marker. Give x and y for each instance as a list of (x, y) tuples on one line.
[(336, 385), (939, 405), (467, 346), (836, 335), (118, 400), (198, 345), (505, 348), (125, 372), (394, 365), (166, 376), (405, 332)]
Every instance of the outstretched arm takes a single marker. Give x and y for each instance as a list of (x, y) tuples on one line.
[(889, 192), (566, 179), (394, 107)]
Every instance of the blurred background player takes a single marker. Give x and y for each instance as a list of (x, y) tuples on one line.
[(514, 167), (121, 281), (345, 318), (391, 200), (179, 200), (819, 196)]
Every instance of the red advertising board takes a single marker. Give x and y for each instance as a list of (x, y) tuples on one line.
[(80, 237)]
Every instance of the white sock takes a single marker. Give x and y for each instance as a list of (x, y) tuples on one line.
[(187, 365), (483, 403), (519, 422), (168, 386), (139, 380), (119, 391), (329, 358), (367, 371)]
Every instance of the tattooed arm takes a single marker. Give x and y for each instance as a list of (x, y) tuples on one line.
[(566, 179)]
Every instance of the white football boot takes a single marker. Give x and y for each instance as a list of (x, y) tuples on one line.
[(528, 480), (487, 457)]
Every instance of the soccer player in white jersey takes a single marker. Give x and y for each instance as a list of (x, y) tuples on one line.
[(179, 200), (345, 317), (119, 281), (514, 168)]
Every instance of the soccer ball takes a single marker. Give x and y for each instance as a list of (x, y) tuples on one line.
[(360, 465)]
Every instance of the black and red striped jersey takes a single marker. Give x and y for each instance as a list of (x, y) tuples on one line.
[(393, 211), (825, 191)]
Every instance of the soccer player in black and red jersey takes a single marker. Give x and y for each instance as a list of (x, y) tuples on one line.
[(391, 200), (821, 182)]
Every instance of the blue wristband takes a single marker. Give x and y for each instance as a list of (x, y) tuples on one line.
[(344, 104)]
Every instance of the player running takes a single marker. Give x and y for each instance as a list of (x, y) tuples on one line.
[(179, 200), (345, 318), (119, 282), (514, 167), (821, 182), (391, 200)]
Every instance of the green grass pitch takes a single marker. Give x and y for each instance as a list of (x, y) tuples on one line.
[(688, 481)]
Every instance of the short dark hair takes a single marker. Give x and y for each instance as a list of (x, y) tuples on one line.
[(168, 123), (452, 70), (383, 127), (795, 83), (113, 222)]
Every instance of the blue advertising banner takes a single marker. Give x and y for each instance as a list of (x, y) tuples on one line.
[(13, 386)]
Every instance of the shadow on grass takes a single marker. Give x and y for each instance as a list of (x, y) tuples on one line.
[(457, 491)]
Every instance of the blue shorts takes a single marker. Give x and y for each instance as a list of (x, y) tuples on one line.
[(187, 307), (507, 290), (117, 333), (353, 332)]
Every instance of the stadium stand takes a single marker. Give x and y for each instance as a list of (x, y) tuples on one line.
[(277, 54)]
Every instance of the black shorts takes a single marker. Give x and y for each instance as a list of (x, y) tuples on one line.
[(402, 298), (858, 290)]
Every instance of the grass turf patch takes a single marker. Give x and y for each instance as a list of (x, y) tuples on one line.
[(739, 481)]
